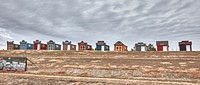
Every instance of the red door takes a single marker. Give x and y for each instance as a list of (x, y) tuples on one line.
[(159, 48), (35, 46)]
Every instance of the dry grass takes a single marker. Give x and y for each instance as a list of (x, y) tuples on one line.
[(165, 66)]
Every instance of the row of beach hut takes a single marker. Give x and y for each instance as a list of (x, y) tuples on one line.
[(100, 46)]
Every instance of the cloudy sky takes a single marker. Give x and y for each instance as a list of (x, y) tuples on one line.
[(130, 21)]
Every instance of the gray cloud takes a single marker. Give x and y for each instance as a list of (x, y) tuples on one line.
[(110, 20)]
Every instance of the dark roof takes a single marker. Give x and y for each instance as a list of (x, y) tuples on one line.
[(119, 43), (162, 43), (101, 43), (67, 42), (185, 43), (82, 42), (37, 41), (51, 42), (10, 42), (23, 41), (141, 44)]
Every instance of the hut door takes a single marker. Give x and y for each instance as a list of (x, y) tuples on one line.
[(68, 47), (165, 48), (102, 48), (159, 48), (142, 48), (38, 46), (188, 48)]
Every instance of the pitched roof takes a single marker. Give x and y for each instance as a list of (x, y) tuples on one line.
[(82, 42), (67, 42), (23, 41), (51, 42), (37, 41), (119, 43)]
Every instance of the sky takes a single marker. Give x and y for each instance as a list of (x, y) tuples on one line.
[(129, 21)]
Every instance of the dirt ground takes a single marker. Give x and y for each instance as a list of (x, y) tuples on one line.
[(105, 68)]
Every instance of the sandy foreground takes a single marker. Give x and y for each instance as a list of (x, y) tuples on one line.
[(105, 68)]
